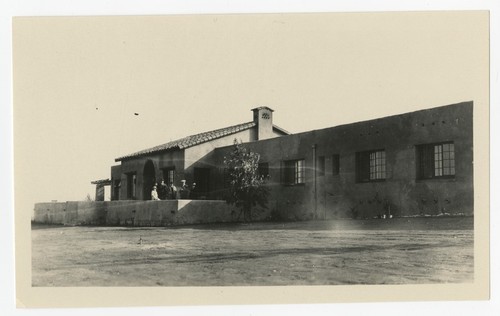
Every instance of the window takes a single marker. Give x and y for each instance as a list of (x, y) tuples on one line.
[(263, 170), (294, 172), (131, 185), (436, 160), (321, 166), (225, 178), (370, 166), (116, 189), (335, 165), (169, 175)]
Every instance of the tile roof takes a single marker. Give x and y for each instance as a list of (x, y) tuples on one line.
[(192, 140)]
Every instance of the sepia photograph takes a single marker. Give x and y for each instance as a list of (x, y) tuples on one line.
[(309, 154)]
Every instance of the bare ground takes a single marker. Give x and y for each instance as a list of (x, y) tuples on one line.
[(395, 251)]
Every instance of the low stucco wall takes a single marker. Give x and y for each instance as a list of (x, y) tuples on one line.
[(139, 213)]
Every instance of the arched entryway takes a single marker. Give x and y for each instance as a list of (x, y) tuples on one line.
[(148, 179)]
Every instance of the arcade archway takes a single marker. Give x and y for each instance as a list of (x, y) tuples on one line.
[(148, 179)]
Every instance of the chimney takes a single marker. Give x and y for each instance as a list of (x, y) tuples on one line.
[(263, 117)]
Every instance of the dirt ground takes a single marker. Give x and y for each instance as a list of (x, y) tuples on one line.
[(395, 251)]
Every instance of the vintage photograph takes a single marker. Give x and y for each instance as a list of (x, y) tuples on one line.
[(243, 150)]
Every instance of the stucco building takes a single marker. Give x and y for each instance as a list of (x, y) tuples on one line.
[(189, 158), (408, 164)]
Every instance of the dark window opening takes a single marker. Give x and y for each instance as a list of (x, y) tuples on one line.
[(370, 166), (226, 178), (116, 189), (263, 170), (131, 185), (294, 172), (321, 166), (335, 165), (202, 180), (436, 160), (168, 175)]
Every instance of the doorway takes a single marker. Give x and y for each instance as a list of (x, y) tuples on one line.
[(148, 179), (202, 179)]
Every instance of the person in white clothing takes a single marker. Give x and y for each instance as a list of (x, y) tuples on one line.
[(154, 194)]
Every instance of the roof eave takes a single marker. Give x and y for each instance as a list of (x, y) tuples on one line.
[(133, 156), (281, 130), (181, 146)]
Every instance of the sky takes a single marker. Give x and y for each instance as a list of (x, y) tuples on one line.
[(78, 81)]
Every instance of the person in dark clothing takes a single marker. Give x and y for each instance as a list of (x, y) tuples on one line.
[(193, 195), (184, 190), (162, 190), (172, 192)]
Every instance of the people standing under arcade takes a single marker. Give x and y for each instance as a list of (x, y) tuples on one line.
[(172, 192), (184, 190), (163, 190), (193, 195), (154, 194)]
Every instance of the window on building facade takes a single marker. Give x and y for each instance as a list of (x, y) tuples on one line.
[(436, 160), (335, 165), (370, 166), (225, 178), (131, 185), (169, 175), (294, 172), (321, 166), (263, 169), (116, 189)]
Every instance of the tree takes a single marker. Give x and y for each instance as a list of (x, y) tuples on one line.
[(246, 186)]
